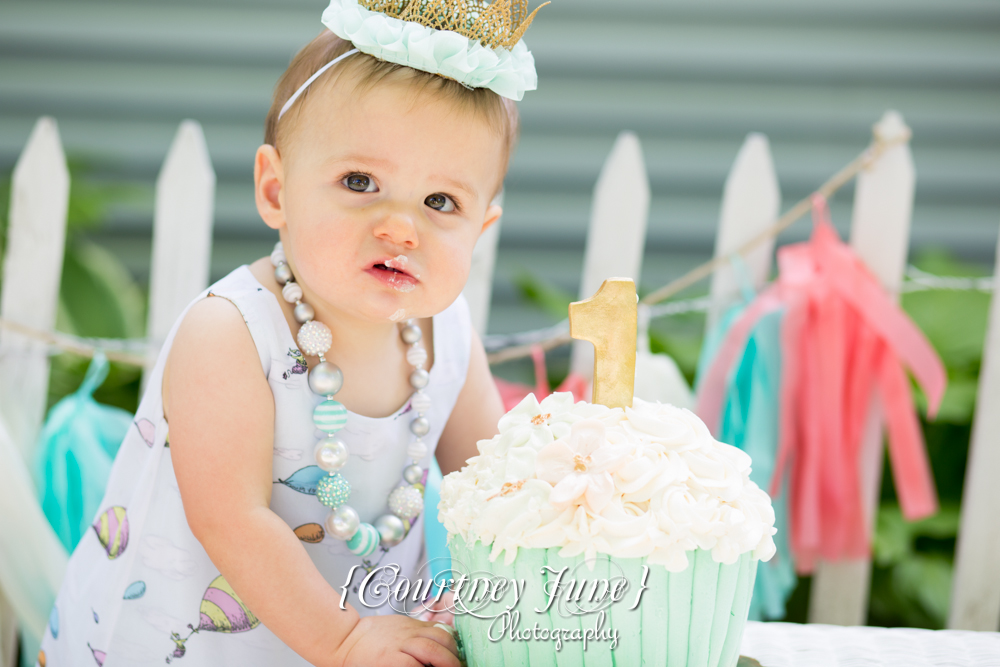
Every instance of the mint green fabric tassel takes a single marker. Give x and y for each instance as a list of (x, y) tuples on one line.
[(76, 448), (750, 422)]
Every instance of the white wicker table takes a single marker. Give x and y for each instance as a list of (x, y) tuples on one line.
[(814, 645)]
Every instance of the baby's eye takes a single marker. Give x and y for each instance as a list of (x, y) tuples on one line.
[(440, 202), (360, 183)]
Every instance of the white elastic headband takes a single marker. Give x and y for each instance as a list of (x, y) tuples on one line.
[(302, 88)]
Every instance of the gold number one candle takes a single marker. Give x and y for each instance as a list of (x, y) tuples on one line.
[(608, 320)]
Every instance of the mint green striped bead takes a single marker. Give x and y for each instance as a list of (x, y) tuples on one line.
[(365, 541), (330, 416)]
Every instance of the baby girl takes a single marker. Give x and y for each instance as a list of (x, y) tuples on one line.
[(281, 449)]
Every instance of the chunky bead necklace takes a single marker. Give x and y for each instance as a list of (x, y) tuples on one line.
[(406, 501)]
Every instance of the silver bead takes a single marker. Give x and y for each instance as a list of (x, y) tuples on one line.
[(413, 473), (326, 378), (291, 292), (419, 378), (342, 522), (278, 254), (391, 529), (420, 426), (406, 502), (416, 356), (411, 334), (417, 450), (314, 338), (304, 313), (331, 454), (421, 402), (282, 273)]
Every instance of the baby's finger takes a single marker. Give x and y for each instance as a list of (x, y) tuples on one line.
[(432, 651), (442, 634)]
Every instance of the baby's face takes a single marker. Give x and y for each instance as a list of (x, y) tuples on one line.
[(382, 197)]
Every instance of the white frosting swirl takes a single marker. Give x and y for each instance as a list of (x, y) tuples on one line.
[(647, 481)]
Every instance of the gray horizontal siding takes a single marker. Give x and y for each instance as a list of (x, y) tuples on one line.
[(691, 78)]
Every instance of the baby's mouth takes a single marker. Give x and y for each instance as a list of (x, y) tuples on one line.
[(393, 277), (383, 267)]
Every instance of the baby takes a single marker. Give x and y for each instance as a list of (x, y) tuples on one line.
[(248, 502)]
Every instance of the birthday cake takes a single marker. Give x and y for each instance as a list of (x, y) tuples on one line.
[(635, 533)]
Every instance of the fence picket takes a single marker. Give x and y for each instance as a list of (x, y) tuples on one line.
[(479, 288), (975, 601), (880, 233), (751, 202), (36, 239), (182, 234), (617, 234)]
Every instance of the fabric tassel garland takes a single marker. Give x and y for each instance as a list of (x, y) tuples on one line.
[(512, 393), (749, 421), (845, 344)]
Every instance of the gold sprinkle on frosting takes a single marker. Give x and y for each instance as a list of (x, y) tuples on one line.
[(508, 488)]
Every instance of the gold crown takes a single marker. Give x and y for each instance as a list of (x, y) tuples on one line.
[(491, 23)]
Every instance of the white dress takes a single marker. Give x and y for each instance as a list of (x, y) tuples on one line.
[(140, 589)]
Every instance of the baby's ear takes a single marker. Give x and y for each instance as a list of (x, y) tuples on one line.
[(493, 213), (268, 181)]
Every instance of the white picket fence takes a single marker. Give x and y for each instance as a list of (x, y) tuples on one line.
[(180, 269)]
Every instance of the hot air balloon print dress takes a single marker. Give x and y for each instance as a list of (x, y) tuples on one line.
[(140, 589)]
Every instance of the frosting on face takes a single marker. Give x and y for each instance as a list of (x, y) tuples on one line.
[(647, 481)]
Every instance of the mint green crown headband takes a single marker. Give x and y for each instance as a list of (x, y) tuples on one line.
[(405, 39)]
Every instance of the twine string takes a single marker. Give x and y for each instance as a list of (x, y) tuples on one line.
[(507, 347)]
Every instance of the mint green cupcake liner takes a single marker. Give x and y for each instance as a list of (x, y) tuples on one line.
[(693, 618)]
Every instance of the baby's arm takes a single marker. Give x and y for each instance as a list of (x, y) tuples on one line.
[(221, 417), (475, 416)]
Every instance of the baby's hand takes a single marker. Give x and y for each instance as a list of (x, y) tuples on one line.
[(397, 641)]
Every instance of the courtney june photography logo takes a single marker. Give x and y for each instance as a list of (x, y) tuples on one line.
[(566, 605)]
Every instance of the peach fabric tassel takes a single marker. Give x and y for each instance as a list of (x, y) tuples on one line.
[(843, 338)]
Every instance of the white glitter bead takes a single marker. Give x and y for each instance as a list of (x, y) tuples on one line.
[(314, 338), (421, 402), (406, 502), (417, 450), (292, 292), (278, 254), (416, 356)]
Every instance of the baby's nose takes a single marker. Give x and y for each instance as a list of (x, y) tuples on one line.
[(398, 228)]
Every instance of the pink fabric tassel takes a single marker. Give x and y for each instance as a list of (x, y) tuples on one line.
[(843, 337), (512, 393)]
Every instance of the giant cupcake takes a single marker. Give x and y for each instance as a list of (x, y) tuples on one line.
[(643, 495)]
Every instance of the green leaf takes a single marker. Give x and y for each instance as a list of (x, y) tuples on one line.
[(958, 403), (953, 320), (926, 581), (895, 537), (548, 298), (97, 294)]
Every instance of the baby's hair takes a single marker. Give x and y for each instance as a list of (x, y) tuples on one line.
[(500, 113)]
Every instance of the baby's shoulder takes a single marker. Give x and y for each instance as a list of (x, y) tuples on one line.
[(212, 348)]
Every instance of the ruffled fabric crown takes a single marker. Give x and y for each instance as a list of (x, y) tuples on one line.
[(473, 42)]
